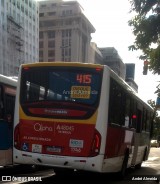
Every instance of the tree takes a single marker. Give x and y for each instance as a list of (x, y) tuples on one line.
[(156, 124), (146, 28), (156, 128)]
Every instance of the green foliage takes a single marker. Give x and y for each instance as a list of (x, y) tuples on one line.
[(158, 90), (152, 103), (156, 125), (142, 7), (146, 28)]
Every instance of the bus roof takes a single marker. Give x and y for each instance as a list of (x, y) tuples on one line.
[(62, 64), (8, 80)]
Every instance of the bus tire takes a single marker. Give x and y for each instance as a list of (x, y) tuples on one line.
[(122, 173), (145, 154)]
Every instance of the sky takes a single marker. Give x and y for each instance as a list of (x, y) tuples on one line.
[(110, 19)]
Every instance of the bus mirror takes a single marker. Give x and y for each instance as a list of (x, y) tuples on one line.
[(158, 103)]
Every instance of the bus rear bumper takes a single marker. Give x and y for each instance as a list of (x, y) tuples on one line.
[(79, 163)]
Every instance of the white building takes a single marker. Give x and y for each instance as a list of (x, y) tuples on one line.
[(65, 32), (19, 34)]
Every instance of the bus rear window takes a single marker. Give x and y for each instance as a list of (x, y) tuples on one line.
[(57, 84)]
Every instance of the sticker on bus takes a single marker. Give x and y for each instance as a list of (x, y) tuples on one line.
[(54, 149), (80, 92), (36, 148), (74, 143), (25, 146)]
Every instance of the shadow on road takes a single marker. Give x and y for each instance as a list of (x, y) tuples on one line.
[(143, 172), (111, 178), (80, 177)]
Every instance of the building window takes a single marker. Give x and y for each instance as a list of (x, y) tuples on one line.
[(18, 5), (66, 33), (51, 59), (53, 4), (51, 34), (66, 54), (30, 4), (34, 18), (22, 8), (51, 53), (51, 44), (67, 12), (14, 3), (48, 23), (34, 6), (41, 53), (40, 59), (66, 42), (68, 22), (26, 1), (51, 13), (66, 45), (26, 12), (43, 6), (40, 35), (41, 44), (30, 15), (41, 14), (2, 2)]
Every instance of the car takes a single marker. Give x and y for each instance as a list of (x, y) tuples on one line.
[(154, 143)]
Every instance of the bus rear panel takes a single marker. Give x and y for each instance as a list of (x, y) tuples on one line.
[(57, 115)]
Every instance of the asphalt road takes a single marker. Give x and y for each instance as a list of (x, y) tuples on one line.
[(148, 174)]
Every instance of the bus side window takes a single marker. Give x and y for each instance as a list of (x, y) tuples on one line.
[(148, 122), (143, 119), (1, 104), (127, 107), (10, 101), (139, 121), (133, 121), (115, 104)]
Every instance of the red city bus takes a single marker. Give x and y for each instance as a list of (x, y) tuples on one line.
[(79, 116)]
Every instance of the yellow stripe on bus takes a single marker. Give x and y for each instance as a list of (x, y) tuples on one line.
[(90, 65)]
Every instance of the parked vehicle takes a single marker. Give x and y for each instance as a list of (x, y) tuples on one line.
[(154, 143)]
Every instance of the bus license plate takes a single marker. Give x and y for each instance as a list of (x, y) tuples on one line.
[(36, 148), (54, 149)]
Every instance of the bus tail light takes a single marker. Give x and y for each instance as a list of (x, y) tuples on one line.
[(95, 147), (17, 143)]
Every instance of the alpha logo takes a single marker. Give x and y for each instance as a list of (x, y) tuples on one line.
[(38, 127)]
